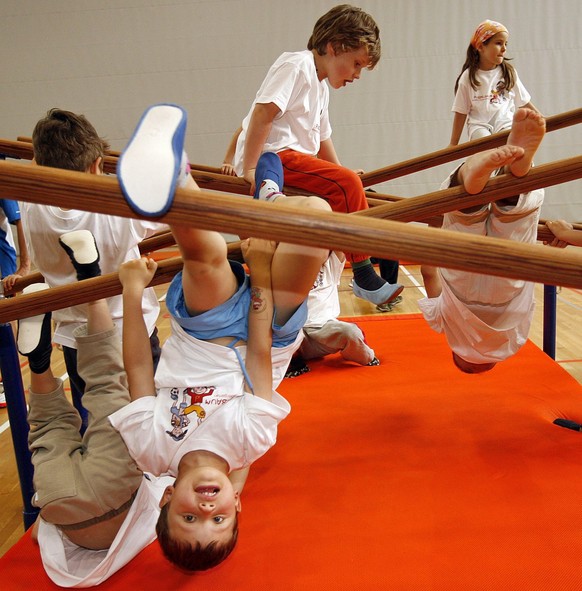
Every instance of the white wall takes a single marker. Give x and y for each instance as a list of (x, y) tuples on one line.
[(110, 59)]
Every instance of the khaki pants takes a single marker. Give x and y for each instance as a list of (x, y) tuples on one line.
[(80, 478)]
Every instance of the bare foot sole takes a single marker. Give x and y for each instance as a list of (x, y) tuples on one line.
[(478, 168), (527, 132)]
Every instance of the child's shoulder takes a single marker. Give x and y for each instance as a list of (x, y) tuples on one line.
[(297, 58)]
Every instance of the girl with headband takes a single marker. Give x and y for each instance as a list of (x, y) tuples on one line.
[(488, 89)]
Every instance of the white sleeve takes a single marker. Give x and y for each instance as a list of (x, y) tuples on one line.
[(136, 425), (143, 229), (522, 96), (279, 85), (462, 102)]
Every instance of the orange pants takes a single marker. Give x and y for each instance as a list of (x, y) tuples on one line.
[(339, 186)]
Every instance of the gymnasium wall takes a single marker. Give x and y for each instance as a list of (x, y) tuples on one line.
[(111, 59)]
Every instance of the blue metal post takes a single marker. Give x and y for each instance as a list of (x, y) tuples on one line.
[(16, 406), (550, 317)]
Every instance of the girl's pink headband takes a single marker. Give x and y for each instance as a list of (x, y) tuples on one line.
[(485, 31)]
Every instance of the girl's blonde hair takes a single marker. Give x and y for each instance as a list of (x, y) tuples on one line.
[(347, 28)]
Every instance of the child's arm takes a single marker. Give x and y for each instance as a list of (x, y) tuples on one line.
[(23, 258), (258, 255), (24, 262), (257, 133), (564, 232), (137, 355), (227, 167), (327, 152), (458, 124)]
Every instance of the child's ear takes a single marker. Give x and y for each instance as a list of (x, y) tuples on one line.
[(95, 168), (237, 504), (329, 50), (166, 496)]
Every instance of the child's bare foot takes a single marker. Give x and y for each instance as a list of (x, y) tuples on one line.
[(527, 132), (477, 169)]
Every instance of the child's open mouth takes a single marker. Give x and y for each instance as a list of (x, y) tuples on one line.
[(207, 491)]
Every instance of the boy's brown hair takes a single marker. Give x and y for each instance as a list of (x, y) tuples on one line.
[(192, 558), (347, 28), (63, 139)]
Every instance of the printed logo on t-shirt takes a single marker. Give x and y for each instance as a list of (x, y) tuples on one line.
[(495, 97), (318, 280), (188, 402)]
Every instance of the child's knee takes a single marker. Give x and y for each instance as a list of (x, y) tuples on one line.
[(352, 179), (316, 203), (301, 202), (428, 272)]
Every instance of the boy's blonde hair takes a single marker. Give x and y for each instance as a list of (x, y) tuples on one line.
[(347, 28)]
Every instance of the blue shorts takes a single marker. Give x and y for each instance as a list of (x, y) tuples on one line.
[(230, 319)]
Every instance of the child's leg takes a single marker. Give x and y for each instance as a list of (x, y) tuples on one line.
[(337, 336), (108, 476), (149, 170), (82, 250), (527, 132), (54, 436), (476, 171), (338, 185), (295, 267), (524, 139), (150, 167), (478, 131), (389, 270), (207, 279), (34, 342), (343, 189), (106, 462), (431, 280)]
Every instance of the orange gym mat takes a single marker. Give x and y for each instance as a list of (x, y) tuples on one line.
[(408, 476)]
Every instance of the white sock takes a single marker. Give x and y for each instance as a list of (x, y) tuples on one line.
[(268, 190), (184, 171), (29, 329)]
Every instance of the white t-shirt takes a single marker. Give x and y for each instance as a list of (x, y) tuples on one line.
[(486, 318), (69, 565), (489, 104), (303, 123), (117, 240), (201, 405), (323, 300), (240, 431)]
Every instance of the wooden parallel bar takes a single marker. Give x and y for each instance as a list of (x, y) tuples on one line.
[(157, 242), (57, 298), (443, 201), (349, 233), (449, 154), (23, 149)]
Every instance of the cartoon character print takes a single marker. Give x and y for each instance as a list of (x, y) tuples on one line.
[(179, 411), (498, 96)]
